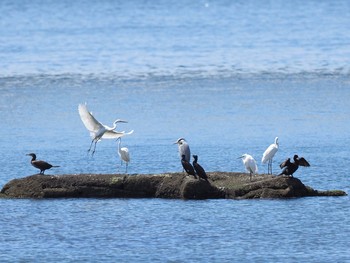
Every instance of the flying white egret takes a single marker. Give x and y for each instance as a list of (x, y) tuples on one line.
[(269, 154), (290, 168), (97, 130), (184, 149), (250, 164), (124, 155), (41, 165)]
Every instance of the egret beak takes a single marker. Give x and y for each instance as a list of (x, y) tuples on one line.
[(121, 121), (240, 157)]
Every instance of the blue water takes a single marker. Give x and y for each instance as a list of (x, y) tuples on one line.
[(229, 76)]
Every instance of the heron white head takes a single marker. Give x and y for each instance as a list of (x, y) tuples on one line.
[(180, 141)]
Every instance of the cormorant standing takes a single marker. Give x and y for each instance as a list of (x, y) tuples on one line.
[(199, 169), (187, 166), (291, 167), (41, 165)]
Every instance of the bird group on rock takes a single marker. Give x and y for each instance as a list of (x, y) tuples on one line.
[(99, 131), (249, 162), (193, 169)]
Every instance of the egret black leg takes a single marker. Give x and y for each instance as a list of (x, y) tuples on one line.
[(94, 149), (90, 146)]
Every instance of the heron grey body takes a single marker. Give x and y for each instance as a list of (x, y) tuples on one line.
[(184, 149)]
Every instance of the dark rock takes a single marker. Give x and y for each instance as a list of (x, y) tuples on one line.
[(170, 185)]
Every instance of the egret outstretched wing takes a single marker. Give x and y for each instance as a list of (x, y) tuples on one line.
[(89, 121), (115, 134)]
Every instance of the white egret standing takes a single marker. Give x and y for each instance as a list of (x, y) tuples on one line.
[(250, 164), (184, 149), (124, 155), (97, 130), (269, 154)]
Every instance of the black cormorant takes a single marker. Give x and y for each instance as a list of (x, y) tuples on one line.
[(199, 169), (41, 165), (291, 167)]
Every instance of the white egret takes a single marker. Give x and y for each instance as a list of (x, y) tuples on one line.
[(41, 165), (97, 130), (124, 155), (290, 168), (269, 154), (199, 169), (184, 149), (250, 164)]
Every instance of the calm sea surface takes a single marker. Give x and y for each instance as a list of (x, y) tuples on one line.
[(229, 76)]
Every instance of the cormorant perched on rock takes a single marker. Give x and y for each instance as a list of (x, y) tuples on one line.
[(187, 166), (199, 169), (41, 165), (291, 167)]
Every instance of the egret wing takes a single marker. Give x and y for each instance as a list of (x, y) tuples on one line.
[(115, 134), (285, 163), (89, 121), (303, 162)]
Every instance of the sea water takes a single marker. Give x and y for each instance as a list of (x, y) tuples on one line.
[(229, 76)]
